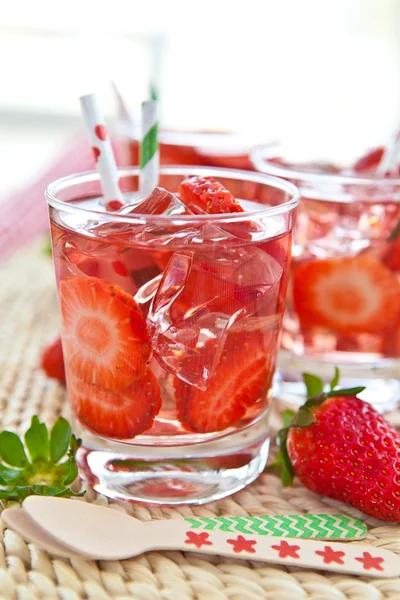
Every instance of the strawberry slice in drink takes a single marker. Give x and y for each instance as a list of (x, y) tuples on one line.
[(369, 161), (349, 294), (117, 415), (105, 337), (206, 195), (242, 377)]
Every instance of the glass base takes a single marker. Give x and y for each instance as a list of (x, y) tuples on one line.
[(381, 379), (185, 474)]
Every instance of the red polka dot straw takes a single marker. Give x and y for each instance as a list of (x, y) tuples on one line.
[(101, 148)]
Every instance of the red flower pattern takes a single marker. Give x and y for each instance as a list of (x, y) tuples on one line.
[(331, 556), (242, 545), (198, 539), (370, 562), (286, 550)]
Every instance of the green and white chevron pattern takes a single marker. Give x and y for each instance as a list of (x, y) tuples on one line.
[(319, 526)]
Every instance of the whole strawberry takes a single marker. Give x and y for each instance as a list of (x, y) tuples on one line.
[(52, 361), (340, 447)]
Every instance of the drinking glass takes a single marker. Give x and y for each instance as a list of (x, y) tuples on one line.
[(170, 328), (344, 300)]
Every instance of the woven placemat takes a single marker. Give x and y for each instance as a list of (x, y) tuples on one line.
[(28, 320)]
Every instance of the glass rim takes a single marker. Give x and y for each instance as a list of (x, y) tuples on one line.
[(260, 155), (91, 176)]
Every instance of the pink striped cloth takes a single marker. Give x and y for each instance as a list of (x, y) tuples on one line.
[(23, 215)]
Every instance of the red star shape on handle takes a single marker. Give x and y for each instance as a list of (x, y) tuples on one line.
[(331, 556), (370, 562), (286, 550), (242, 545), (198, 539)]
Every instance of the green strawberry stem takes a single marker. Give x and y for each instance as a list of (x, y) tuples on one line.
[(304, 418), (44, 464)]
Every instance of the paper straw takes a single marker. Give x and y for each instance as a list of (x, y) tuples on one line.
[(153, 91), (122, 107), (102, 150), (390, 157), (149, 154)]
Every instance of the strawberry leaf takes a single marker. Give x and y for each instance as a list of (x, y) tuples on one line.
[(9, 476), (303, 418), (287, 417), (284, 460), (60, 439), (12, 450), (346, 392), (68, 471), (314, 385), (37, 440), (335, 379), (19, 493)]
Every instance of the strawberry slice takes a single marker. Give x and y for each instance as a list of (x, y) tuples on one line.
[(206, 195), (369, 161), (242, 377), (367, 164), (351, 295), (118, 415), (105, 338), (52, 361)]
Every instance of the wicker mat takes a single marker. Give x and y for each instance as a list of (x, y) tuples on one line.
[(28, 319)]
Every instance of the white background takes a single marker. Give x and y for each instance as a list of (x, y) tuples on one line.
[(319, 71)]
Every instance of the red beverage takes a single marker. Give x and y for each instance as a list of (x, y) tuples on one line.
[(170, 327), (344, 305), (228, 150)]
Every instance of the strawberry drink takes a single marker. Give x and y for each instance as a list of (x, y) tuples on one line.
[(217, 149), (344, 305), (171, 310)]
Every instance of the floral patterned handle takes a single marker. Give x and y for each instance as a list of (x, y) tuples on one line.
[(360, 559)]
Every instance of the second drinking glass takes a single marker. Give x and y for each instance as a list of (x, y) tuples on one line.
[(344, 299)]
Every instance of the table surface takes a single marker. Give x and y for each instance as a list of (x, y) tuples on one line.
[(28, 320)]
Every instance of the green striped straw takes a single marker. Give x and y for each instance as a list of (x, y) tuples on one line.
[(149, 154)]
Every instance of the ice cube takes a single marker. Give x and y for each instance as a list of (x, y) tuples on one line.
[(202, 295), (158, 202)]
